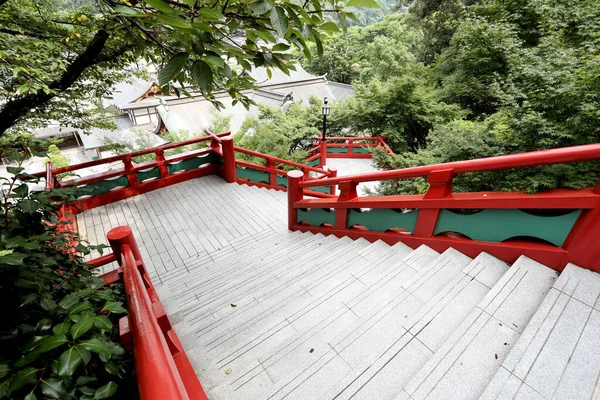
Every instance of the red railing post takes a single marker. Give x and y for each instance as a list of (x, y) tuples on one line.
[(332, 174), (440, 186), (347, 192), (351, 146), (120, 236), (50, 178), (272, 176), (294, 194), (229, 172), (582, 241), (323, 151), (161, 163), (131, 175)]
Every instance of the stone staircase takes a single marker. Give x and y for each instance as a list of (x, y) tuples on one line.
[(280, 314), (302, 316)]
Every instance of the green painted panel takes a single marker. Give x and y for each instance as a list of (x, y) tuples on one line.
[(316, 216), (496, 225), (363, 150), (314, 162), (252, 175), (320, 189), (147, 174), (191, 163), (281, 181), (105, 186), (382, 219), (337, 150)]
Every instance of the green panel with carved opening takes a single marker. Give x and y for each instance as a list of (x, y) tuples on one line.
[(497, 225), (148, 173), (362, 150), (337, 150), (281, 180), (316, 216), (314, 162), (383, 219), (191, 163), (105, 186), (252, 175)]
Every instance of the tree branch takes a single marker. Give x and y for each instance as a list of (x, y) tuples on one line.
[(15, 109)]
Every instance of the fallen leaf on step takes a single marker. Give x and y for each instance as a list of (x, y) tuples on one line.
[(228, 371), (311, 350), (233, 305), (496, 355)]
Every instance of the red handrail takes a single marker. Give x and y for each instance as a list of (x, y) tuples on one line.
[(282, 161), (588, 152), (121, 157)]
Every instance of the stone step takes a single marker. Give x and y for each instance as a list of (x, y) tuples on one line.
[(300, 316), (383, 374), (315, 378), (558, 353), (464, 365)]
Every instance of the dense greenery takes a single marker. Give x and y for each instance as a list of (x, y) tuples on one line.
[(58, 328), (58, 59), (475, 79)]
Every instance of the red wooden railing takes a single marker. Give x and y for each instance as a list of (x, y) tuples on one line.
[(162, 367), (351, 144), (579, 247), (130, 171), (274, 168)]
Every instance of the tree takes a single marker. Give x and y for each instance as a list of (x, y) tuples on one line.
[(53, 54)]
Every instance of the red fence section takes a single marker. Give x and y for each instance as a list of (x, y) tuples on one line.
[(344, 147), (162, 367), (580, 246)]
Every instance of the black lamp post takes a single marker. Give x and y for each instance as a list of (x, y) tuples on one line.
[(326, 111)]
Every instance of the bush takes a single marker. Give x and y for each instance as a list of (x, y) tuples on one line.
[(59, 326)]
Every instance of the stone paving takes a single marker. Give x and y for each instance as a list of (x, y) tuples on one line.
[(265, 313)]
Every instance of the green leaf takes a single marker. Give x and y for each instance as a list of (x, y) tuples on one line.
[(279, 21), (50, 343), (12, 259), (62, 328), (103, 322), (202, 74), (80, 307), (84, 324), (84, 380), (48, 304), (4, 370), (43, 325), (106, 391), (172, 69), (30, 298), (215, 61), (22, 378), (114, 306), (53, 388), (69, 300), (127, 11), (97, 346), (21, 190), (86, 356), (30, 396), (161, 6), (14, 170), (362, 3), (111, 368), (330, 27), (280, 47), (260, 7), (209, 14), (28, 206), (176, 22), (4, 388), (68, 362)]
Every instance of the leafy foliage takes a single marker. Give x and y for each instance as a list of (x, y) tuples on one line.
[(58, 332), (70, 52)]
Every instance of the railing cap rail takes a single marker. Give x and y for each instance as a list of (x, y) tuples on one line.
[(588, 152), (280, 160)]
